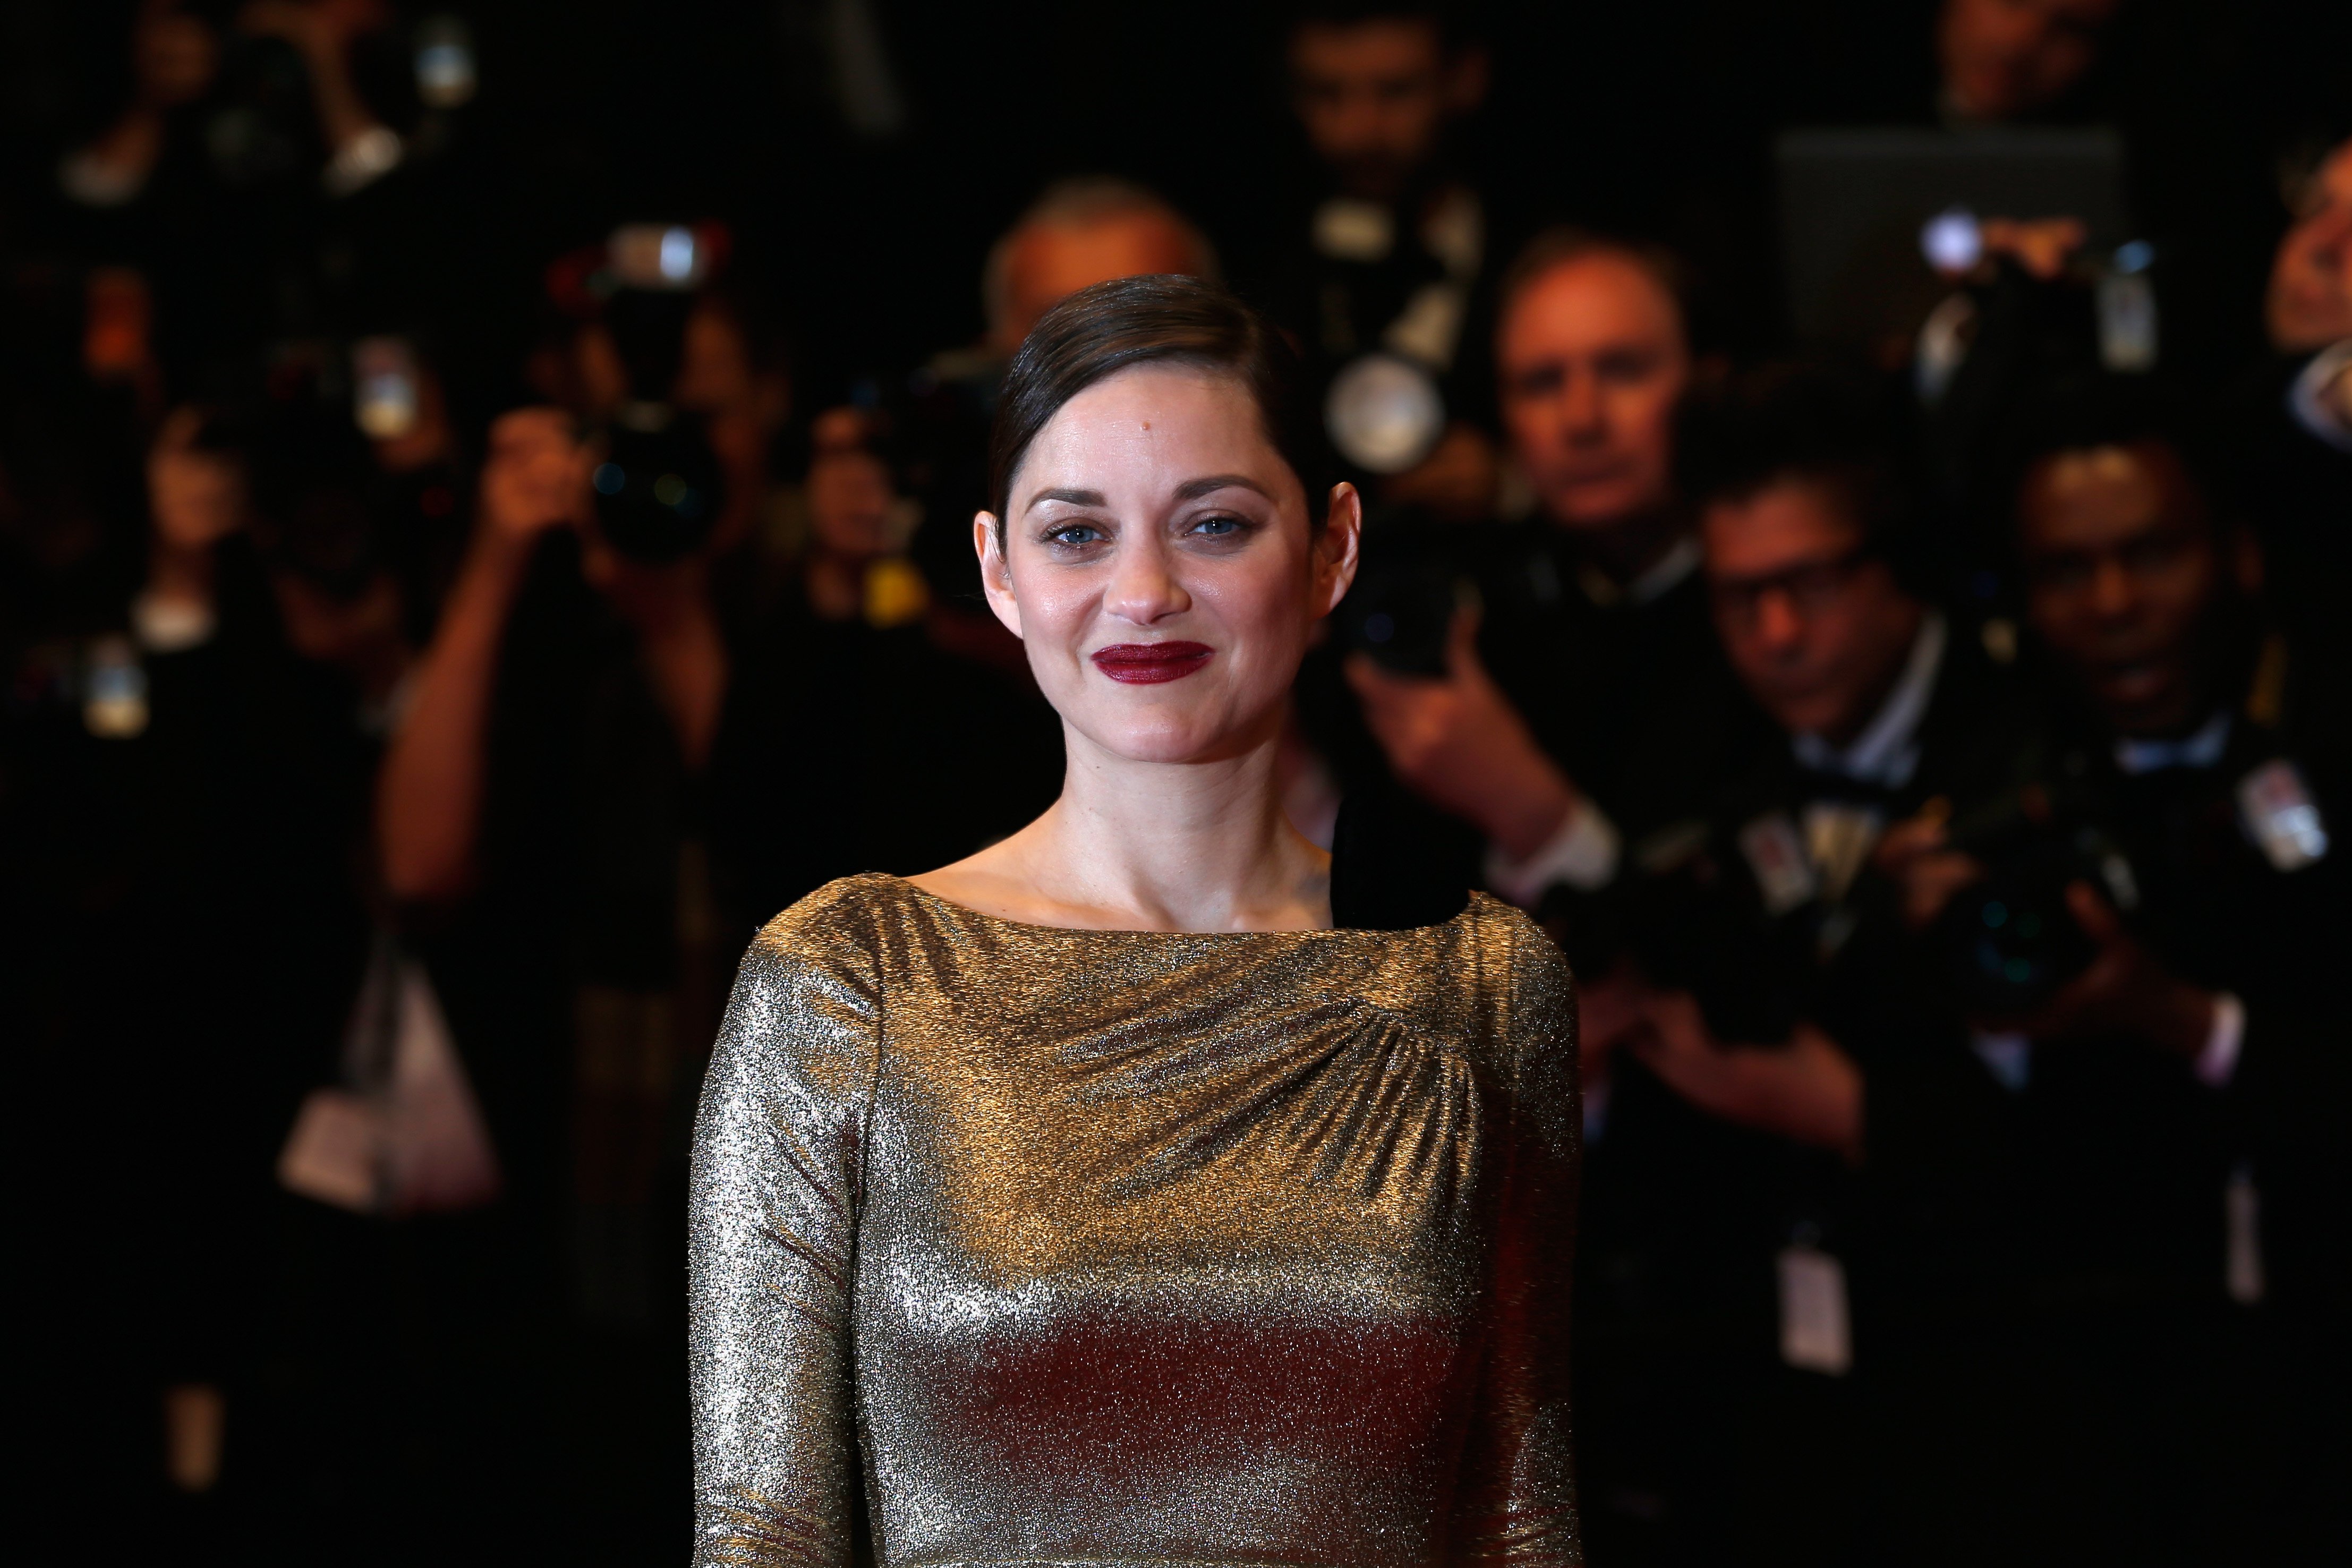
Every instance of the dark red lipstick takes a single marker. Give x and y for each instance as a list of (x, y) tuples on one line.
[(1148, 663)]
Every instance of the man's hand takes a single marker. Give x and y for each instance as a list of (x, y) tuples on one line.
[(1459, 743), (1916, 855), (2125, 992), (1808, 1091), (2042, 245), (535, 478), (1609, 1012)]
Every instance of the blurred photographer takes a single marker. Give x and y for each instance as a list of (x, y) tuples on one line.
[(1386, 273), (2213, 755), (848, 669), (2029, 1232), (1585, 698), (247, 174), (2291, 426), (543, 789), (177, 61), (1740, 976)]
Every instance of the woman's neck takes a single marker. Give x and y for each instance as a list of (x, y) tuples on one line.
[(1136, 845)]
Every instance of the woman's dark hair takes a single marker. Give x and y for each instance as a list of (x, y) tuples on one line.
[(1160, 319)]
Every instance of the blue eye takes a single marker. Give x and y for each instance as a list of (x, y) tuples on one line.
[(1072, 533), (1218, 527)]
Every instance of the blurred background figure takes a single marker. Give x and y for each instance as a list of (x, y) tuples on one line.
[(2010, 60), (1083, 230), (1516, 762), (2207, 733), (1388, 273), (1080, 232), (2291, 419), (853, 696)]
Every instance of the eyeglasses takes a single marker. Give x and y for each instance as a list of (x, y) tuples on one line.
[(1809, 587)]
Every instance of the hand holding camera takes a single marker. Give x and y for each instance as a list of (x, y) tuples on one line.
[(534, 478), (2036, 949), (1808, 1091), (2125, 992), (1916, 856), (1457, 741)]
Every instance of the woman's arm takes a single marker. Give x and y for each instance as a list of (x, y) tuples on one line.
[(1520, 1492), (778, 1155)]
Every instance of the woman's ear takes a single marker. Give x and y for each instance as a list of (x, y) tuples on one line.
[(995, 573), (1336, 546)]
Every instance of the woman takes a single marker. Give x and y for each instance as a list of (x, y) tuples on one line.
[(1097, 1198)]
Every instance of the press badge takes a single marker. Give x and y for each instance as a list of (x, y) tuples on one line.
[(2280, 815), (1814, 1332), (1839, 837), (1783, 872), (2242, 1259)]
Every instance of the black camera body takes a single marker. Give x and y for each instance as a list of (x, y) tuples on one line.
[(659, 487), (2009, 944), (1685, 917), (1411, 585)]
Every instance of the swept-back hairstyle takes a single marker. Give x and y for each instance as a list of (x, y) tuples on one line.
[(1159, 319)]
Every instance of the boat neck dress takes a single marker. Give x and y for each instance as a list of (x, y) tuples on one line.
[(1023, 1244)]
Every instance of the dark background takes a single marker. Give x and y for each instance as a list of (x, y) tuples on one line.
[(1654, 116)]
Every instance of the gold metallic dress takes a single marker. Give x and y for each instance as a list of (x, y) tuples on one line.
[(1015, 1244)]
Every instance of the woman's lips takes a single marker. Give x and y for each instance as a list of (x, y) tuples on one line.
[(1146, 663)]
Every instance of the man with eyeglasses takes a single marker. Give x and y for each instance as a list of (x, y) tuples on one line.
[(2062, 1161), (1748, 963), (1926, 1414), (1887, 707)]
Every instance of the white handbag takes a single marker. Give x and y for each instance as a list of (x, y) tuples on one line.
[(403, 1134)]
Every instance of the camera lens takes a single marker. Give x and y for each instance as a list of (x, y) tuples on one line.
[(1384, 413), (658, 492)]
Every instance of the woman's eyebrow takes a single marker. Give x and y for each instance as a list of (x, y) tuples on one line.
[(1076, 497), (1193, 489)]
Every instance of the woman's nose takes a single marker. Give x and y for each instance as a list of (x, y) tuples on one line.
[(1143, 585)]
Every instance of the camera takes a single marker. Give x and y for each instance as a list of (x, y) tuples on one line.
[(2009, 942), (1410, 586), (1681, 914), (660, 488)]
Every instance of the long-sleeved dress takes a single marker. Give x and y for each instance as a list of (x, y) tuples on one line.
[(1018, 1243)]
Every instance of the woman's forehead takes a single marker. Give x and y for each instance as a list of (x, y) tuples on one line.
[(1152, 428)]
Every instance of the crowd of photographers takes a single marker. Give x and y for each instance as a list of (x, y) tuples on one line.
[(1927, 751)]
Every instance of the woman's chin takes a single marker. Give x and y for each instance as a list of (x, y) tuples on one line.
[(1169, 737)]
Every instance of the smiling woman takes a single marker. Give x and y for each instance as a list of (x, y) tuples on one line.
[(1100, 1198)]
